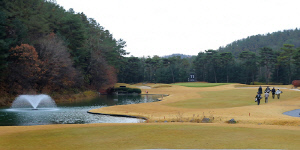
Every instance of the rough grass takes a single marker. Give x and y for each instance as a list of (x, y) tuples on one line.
[(151, 136), (200, 84), (219, 99), (228, 99)]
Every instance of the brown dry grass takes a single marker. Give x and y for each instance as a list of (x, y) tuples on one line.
[(149, 136), (187, 103)]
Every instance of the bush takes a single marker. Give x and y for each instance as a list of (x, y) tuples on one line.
[(136, 90), (123, 89), (129, 90)]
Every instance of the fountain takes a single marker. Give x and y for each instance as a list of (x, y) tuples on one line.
[(41, 110), (34, 102)]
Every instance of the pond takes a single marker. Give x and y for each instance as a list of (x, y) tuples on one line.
[(293, 113), (73, 113)]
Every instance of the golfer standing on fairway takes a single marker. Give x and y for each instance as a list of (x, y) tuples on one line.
[(266, 97), (259, 90), (273, 92), (267, 89), (258, 97), (278, 92)]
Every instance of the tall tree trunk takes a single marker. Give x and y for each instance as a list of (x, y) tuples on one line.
[(227, 74), (215, 76), (173, 76), (267, 75)]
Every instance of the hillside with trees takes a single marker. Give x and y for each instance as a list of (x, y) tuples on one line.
[(273, 40), (268, 59), (45, 48), (156, 69), (268, 66)]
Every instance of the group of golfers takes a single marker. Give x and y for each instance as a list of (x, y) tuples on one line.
[(258, 97)]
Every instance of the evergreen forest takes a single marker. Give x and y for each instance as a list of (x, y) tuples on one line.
[(45, 48)]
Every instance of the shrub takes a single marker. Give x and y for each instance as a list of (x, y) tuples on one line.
[(123, 89), (134, 90), (129, 90)]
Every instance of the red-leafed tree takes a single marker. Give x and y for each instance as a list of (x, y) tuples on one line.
[(24, 69)]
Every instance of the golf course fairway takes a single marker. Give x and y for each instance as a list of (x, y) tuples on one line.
[(175, 122)]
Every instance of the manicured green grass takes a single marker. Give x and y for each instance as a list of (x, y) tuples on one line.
[(149, 136), (198, 84)]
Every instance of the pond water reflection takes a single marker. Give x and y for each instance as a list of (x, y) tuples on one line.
[(293, 113), (73, 112)]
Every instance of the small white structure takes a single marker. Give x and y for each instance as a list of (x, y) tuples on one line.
[(192, 77)]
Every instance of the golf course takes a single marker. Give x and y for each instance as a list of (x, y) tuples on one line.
[(188, 116)]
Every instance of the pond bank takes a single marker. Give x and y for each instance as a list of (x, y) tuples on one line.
[(184, 104)]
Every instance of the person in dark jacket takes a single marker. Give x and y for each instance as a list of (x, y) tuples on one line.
[(268, 90), (273, 93), (259, 90), (257, 98)]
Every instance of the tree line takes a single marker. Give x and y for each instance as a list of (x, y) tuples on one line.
[(155, 69), (268, 66), (253, 43), (45, 48)]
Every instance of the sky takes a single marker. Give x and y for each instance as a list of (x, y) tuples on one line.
[(164, 27)]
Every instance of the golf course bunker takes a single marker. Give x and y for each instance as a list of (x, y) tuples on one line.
[(293, 113)]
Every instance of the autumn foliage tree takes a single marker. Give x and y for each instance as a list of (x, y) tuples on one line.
[(102, 75), (58, 72), (24, 69)]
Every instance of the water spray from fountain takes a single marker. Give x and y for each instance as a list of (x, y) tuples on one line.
[(34, 101)]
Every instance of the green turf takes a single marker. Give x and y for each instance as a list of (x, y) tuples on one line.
[(197, 84)]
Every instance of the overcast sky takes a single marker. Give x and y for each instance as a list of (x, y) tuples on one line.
[(163, 27)]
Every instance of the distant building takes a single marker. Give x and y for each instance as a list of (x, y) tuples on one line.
[(192, 77)]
